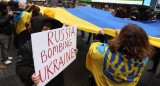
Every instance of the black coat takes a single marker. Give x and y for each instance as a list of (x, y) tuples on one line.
[(5, 24), (25, 68), (25, 65)]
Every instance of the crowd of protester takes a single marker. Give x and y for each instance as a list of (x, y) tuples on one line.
[(131, 46), (16, 20), (135, 14)]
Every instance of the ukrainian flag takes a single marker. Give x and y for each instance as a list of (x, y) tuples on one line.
[(92, 20), (113, 69)]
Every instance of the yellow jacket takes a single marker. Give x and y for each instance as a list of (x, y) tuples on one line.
[(21, 20), (113, 69)]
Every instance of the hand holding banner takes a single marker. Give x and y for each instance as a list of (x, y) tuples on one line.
[(53, 51)]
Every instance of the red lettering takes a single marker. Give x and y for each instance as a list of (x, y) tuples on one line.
[(48, 70), (68, 55), (63, 35), (72, 51), (41, 76), (49, 53), (49, 38), (70, 42), (55, 48), (66, 44), (67, 33), (56, 36), (55, 67), (43, 54), (61, 62), (72, 31), (60, 47), (63, 45)]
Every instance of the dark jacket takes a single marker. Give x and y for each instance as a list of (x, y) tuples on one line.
[(25, 65), (134, 16), (5, 24), (25, 68)]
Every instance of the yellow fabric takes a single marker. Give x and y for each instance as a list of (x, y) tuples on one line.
[(4, 0), (49, 12), (29, 6), (20, 24), (95, 63), (66, 17), (153, 40)]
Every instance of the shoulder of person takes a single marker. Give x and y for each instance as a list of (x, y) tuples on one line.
[(27, 47)]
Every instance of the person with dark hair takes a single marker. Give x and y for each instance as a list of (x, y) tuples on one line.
[(145, 15), (25, 66), (119, 12), (35, 11), (134, 14), (5, 32), (121, 61)]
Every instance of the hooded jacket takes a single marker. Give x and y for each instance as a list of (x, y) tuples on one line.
[(21, 20), (38, 22), (5, 24), (25, 66), (5, 18), (113, 68)]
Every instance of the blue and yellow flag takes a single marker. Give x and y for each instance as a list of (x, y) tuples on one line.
[(92, 20), (113, 69)]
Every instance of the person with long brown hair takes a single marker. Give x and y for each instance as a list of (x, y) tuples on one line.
[(121, 61)]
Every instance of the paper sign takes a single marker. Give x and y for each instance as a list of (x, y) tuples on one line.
[(53, 51)]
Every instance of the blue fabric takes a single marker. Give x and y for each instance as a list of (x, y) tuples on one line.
[(105, 19), (17, 17), (132, 72), (101, 48), (110, 69), (151, 23)]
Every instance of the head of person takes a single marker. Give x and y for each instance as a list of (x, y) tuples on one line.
[(12, 4), (47, 26), (106, 6), (132, 41), (134, 10), (35, 11), (3, 8), (155, 16), (43, 23)]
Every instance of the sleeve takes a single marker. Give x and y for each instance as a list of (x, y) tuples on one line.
[(24, 67), (5, 20), (92, 53)]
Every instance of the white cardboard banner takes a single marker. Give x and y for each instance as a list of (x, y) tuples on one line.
[(53, 51)]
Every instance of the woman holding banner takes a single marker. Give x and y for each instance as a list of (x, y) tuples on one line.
[(121, 61), (25, 66)]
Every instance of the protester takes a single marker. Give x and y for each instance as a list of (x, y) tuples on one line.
[(5, 32), (134, 14), (35, 12), (119, 12), (25, 66), (121, 61), (22, 32), (154, 17), (144, 15), (107, 8)]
